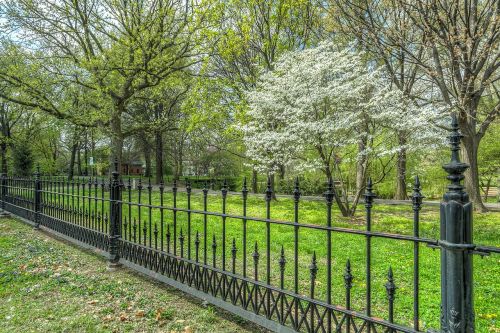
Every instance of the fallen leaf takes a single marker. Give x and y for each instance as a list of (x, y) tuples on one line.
[(158, 314), (188, 329), (92, 302), (123, 317), (140, 314)]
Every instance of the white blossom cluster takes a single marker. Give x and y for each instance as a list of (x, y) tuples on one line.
[(322, 100)]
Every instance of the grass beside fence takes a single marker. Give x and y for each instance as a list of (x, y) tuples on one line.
[(49, 286)]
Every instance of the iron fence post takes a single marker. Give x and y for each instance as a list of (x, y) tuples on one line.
[(38, 193), (114, 218), (457, 311), (3, 194), (3, 180)]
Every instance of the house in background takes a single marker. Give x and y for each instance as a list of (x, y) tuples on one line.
[(134, 168)]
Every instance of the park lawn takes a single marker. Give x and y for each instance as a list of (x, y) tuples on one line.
[(385, 253), (50, 286)]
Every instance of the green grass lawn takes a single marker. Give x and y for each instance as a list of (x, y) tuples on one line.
[(385, 253), (50, 286)]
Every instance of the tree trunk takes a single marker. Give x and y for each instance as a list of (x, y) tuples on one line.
[(361, 170), (71, 171), (116, 137), (3, 148), (79, 161), (487, 189), (254, 181), (272, 179), (86, 156), (282, 172), (147, 158), (179, 166), (159, 156), (469, 155), (343, 207), (361, 165), (401, 170)]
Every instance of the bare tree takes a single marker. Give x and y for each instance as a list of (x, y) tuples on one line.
[(456, 44), (378, 27)]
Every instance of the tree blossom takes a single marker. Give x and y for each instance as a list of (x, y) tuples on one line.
[(318, 102)]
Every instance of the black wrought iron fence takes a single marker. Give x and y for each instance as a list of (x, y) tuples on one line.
[(286, 275)]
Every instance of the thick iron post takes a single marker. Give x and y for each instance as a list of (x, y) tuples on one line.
[(457, 311), (114, 218), (38, 197)]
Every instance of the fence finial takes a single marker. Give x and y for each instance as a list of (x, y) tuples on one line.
[(269, 189), (369, 195), (455, 168), (417, 196), (313, 268), (348, 275), (390, 286), (224, 188), (282, 260), (296, 190), (329, 192), (244, 189)]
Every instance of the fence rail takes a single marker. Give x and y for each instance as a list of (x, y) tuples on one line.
[(258, 267)]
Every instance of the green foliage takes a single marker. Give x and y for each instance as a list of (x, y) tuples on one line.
[(23, 161), (489, 158)]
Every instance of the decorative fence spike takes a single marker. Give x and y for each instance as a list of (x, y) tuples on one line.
[(181, 243), (156, 235), (168, 235), (233, 256), (255, 256), (197, 245), (214, 251), (124, 225), (135, 230), (390, 288)]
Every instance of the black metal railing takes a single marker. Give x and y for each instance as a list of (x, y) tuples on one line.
[(258, 266)]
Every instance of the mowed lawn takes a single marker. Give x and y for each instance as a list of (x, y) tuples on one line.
[(50, 286), (386, 253)]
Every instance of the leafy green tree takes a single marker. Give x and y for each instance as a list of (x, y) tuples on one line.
[(111, 49), (22, 159)]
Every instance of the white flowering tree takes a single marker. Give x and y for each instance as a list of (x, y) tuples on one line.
[(322, 107)]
